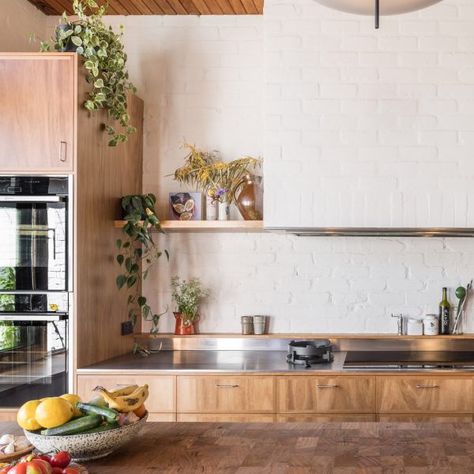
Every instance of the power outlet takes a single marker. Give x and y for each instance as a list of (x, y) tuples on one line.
[(126, 328)]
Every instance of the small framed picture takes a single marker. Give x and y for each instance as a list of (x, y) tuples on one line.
[(185, 206)]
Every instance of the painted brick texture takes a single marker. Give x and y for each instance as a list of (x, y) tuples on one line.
[(366, 127)]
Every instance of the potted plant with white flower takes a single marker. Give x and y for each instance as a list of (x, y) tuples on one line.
[(187, 295)]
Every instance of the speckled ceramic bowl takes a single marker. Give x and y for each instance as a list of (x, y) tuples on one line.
[(84, 447)]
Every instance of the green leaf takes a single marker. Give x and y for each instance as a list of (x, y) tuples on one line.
[(131, 280), (77, 29), (141, 300), (99, 83), (135, 268), (76, 41), (118, 243), (120, 258), (128, 264), (120, 281)]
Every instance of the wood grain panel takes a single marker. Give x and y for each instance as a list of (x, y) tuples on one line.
[(8, 415), (103, 175), (326, 394), (158, 7), (225, 394), (162, 397), (225, 418), (315, 418), (424, 395), (37, 128)]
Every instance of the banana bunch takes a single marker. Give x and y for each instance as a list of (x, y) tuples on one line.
[(124, 399)]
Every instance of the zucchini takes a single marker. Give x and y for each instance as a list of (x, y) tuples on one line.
[(76, 426), (109, 414), (99, 429)]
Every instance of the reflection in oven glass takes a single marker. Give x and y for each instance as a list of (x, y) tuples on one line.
[(33, 240)]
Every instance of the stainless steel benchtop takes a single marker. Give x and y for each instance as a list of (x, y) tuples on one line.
[(212, 361)]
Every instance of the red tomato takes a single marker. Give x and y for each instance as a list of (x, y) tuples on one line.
[(44, 457), (5, 469), (35, 466), (71, 470), (57, 470), (61, 459)]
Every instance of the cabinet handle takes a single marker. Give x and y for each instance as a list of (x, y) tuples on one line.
[(223, 385), (327, 386), (426, 386), (63, 151)]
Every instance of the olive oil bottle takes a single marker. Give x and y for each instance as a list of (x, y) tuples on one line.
[(444, 309)]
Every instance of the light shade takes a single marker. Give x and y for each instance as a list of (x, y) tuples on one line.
[(387, 7)]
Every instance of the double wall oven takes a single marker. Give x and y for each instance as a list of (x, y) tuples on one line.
[(35, 286)]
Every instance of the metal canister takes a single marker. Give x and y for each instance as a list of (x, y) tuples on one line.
[(259, 324), (247, 325)]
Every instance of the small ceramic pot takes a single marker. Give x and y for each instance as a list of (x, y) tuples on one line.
[(183, 327), (224, 211)]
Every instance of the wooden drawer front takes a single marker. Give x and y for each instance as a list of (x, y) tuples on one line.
[(424, 395), (225, 394), (162, 388), (230, 418), (326, 394)]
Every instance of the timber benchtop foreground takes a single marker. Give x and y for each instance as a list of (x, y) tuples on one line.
[(293, 448)]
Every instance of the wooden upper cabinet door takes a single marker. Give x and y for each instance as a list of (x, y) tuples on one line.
[(424, 395), (37, 112), (162, 388), (225, 394), (314, 394)]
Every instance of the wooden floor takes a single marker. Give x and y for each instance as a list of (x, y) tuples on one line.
[(337, 448), (296, 448)]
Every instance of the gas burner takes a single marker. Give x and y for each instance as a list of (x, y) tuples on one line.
[(306, 353)]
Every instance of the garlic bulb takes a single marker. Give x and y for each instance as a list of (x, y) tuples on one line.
[(9, 449), (7, 439)]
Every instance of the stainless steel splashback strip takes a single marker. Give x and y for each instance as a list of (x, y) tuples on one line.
[(340, 343), (375, 231)]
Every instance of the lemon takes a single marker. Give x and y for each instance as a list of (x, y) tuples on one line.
[(26, 416), (72, 398), (54, 411)]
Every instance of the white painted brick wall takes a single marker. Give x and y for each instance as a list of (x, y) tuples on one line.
[(202, 80), (336, 86)]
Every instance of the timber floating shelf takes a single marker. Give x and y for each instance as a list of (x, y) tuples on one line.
[(206, 226)]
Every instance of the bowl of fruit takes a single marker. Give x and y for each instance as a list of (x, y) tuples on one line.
[(86, 430)]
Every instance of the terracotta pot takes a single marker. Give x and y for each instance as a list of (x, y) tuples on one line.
[(183, 327)]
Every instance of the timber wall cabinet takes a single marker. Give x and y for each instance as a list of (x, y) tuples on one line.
[(37, 112)]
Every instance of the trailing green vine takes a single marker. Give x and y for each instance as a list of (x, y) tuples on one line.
[(137, 254), (104, 59)]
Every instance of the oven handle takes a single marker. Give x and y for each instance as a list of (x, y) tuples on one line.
[(31, 199), (34, 317)]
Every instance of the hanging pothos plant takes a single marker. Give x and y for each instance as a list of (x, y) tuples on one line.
[(137, 253), (104, 59)]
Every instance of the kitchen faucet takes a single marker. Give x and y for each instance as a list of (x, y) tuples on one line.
[(400, 323)]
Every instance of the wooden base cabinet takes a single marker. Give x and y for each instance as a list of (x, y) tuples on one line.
[(315, 394), (415, 394), (161, 403), (225, 394)]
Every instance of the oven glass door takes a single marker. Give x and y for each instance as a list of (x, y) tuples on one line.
[(33, 357), (33, 243)]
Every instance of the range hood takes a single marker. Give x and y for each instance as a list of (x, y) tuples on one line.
[(373, 231)]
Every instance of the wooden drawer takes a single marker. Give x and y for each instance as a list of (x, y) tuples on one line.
[(326, 394), (162, 388), (315, 418), (229, 418), (225, 394), (424, 395)]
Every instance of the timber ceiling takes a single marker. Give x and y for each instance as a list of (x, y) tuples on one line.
[(162, 7)]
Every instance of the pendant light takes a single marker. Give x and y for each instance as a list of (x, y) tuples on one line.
[(378, 7)]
